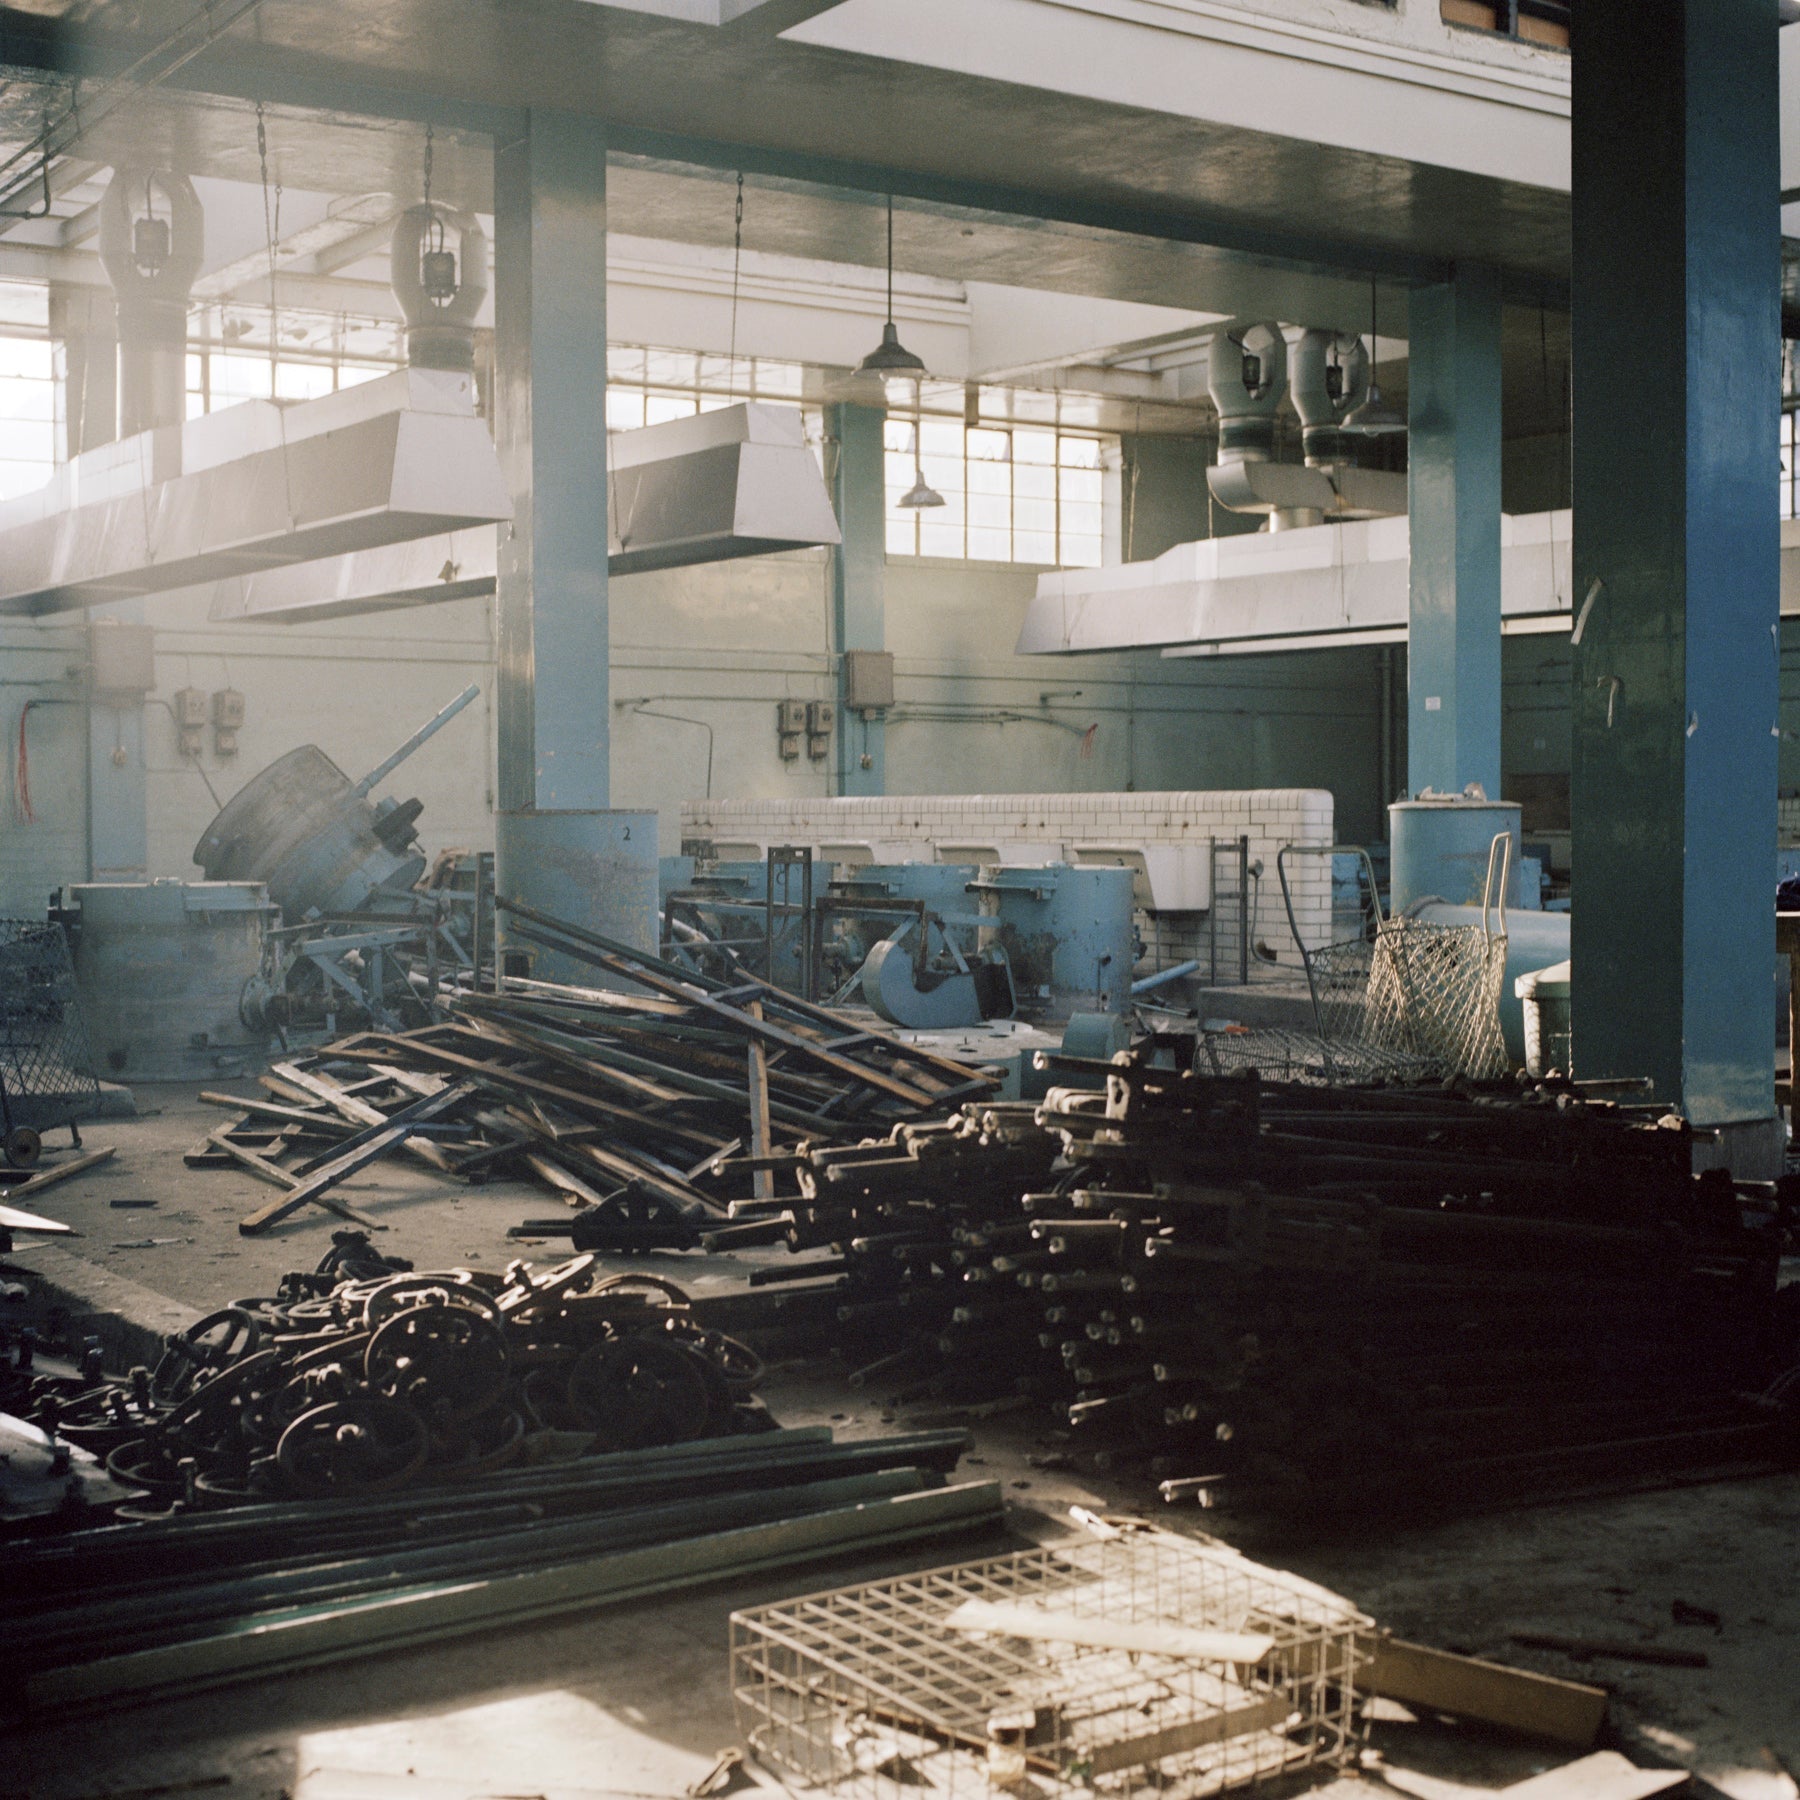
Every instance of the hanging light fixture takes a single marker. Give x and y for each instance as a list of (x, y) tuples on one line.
[(921, 494), (1374, 418), (890, 356)]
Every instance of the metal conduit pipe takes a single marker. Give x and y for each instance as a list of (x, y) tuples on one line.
[(1328, 377), (152, 238)]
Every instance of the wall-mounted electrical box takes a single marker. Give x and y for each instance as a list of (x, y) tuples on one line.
[(789, 745), (190, 708), (818, 745), (821, 718), (790, 717), (868, 680), (228, 720), (121, 657)]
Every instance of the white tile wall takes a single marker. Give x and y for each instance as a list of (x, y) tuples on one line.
[(1019, 828)]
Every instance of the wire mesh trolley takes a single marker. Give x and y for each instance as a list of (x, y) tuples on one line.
[(1406, 999), (873, 1691), (46, 1072)]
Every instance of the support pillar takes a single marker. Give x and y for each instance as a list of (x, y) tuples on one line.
[(859, 581), (1676, 340), (559, 846), (1453, 502)]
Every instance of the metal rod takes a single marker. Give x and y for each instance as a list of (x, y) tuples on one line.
[(429, 729), (1243, 912)]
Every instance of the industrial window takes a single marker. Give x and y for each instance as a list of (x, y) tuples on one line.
[(316, 353), (1790, 466), (1534, 21), (646, 386), (1012, 493), (29, 391)]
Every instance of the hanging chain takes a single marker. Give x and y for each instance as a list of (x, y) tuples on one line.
[(428, 137), (271, 234), (737, 259)]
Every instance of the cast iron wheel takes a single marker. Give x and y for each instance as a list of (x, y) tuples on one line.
[(206, 1347), (403, 1292), (364, 1445), (640, 1391), (22, 1147), (447, 1360)]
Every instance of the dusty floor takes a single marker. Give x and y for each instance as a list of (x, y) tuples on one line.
[(636, 1701)]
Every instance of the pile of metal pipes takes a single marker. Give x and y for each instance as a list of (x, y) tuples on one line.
[(143, 1609), (1324, 1296), (650, 1105)]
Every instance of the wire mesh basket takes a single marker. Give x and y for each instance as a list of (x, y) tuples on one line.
[(873, 1691), (46, 1071), (1406, 1000)]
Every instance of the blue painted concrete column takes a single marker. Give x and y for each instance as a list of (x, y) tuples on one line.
[(554, 711), (1453, 498), (558, 844), (859, 580), (1676, 336)]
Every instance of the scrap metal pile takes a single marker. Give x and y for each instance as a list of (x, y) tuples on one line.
[(387, 1380), (652, 1107), (377, 1457), (1319, 1295)]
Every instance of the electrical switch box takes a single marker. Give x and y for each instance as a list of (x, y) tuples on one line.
[(868, 680), (821, 718), (228, 720), (189, 707), (789, 743), (790, 717), (121, 657)]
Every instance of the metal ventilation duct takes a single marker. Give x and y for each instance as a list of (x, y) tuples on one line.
[(739, 481), (254, 487)]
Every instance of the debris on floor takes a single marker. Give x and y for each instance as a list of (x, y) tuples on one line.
[(1298, 1295), (652, 1108)]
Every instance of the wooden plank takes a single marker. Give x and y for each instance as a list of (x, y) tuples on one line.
[(1565, 1712), (762, 1180), (357, 1154), (315, 1118), (564, 1181), (276, 1176), (46, 1178), (358, 1111)]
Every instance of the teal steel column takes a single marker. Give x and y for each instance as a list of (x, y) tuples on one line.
[(1676, 336), (859, 580), (1453, 499), (550, 417)]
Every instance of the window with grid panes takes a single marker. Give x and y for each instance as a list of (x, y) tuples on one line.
[(1012, 493), (645, 386), (1790, 466), (30, 411)]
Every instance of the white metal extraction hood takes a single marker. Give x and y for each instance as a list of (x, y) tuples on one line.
[(254, 487), (1313, 587), (738, 481)]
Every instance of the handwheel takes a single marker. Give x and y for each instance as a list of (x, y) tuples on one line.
[(447, 1360), (363, 1445), (22, 1147), (640, 1391)]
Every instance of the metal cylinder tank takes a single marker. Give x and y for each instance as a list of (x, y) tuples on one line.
[(162, 967), (1069, 934), (594, 869), (1439, 847), (301, 830)]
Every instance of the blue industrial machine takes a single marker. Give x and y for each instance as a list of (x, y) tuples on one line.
[(1069, 934)]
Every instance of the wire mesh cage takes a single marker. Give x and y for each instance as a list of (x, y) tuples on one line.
[(874, 1691), (1407, 999), (46, 1071)]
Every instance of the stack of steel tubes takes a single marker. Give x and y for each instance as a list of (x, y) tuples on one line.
[(1325, 1296)]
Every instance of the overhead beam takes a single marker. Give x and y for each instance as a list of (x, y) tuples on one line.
[(769, 18)]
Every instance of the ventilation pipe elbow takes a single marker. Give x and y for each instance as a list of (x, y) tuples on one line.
[(1247, 376), (1330, 377), (152, 237), (438, 269)]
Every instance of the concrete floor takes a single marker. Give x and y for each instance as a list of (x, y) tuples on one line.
[(635, 1700)]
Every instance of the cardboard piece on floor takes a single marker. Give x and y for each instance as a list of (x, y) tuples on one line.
[(1564, 1712), (1606, 1775)]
